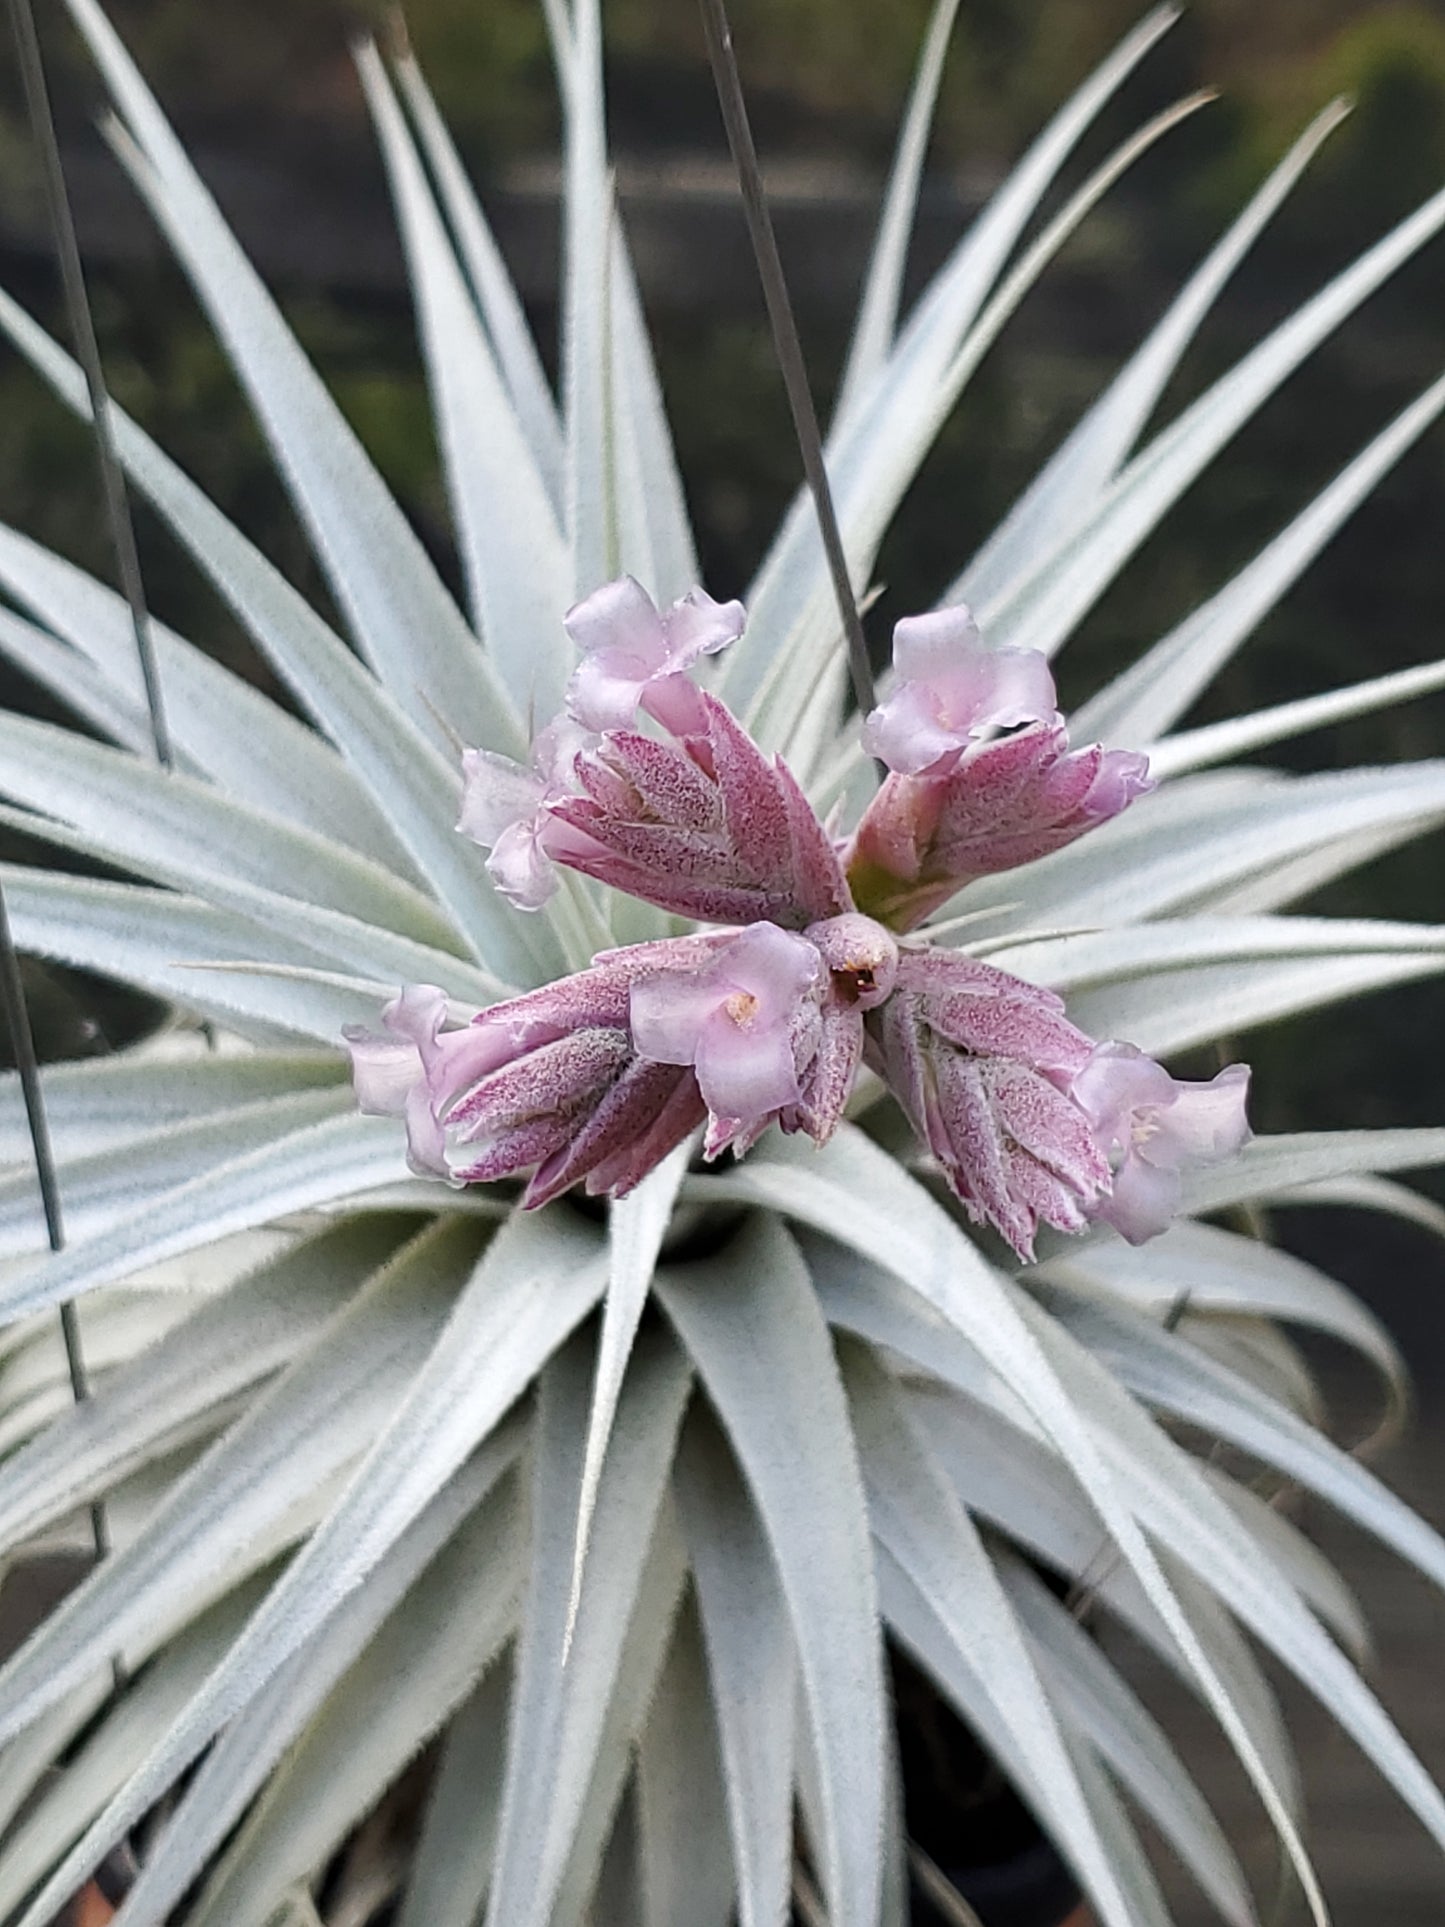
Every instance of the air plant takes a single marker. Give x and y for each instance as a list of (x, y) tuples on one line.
[(584, 1407)]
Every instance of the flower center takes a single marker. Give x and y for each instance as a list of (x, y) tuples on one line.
[(742, 1007)]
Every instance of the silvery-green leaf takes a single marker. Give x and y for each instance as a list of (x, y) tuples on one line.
[(1040, 609), (617, 1898), (497, 297), (888, 412), (587, 303), (751, 1663), (1270, 1164), (1170, 1375), (511, 545), (868, 502), (26, 1761), (1154, 692), (220, 726), (411, 781), (684, 1851), (346, 1712), (636, 1227), (1016, 1483), (1192, 749), (535, 1281), (560, 1700), (314, 1165), (452, 1863), (634, 1690), (1087, 460), (1370, 1194), (877, 318), (131, 1726), (147, 816), (255, 1328), (325, 1410), (96, 1102), (403, 617), (1095, 1700), (856, 1193), (1177, 862), (314, 932), (918, 1518), (1161, 1474), (660, 505), (101, 1191), (1283, 1546), (1171, 1012), (750, 1320), (179, 948), (1207, 1269)]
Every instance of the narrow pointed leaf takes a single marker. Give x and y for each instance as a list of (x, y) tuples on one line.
[(559, 1706), (751, 1663), (751, 1323), (511, 544), (1151, 696), (403, 617), (321, 1742)]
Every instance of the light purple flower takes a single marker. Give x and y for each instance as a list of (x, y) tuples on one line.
[(981, 1062), (950, 690), (505, 809), (706, 827), (1157, 1125), (749, 1024), (633, 653), (1000, 804)]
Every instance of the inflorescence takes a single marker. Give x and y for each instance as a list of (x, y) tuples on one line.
[(821, 964)]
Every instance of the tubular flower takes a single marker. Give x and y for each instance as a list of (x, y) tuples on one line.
[(705, 826), (633, 653), (1157, 1126), (950, 690), (505, 809), (982, 1063), (999, 804)]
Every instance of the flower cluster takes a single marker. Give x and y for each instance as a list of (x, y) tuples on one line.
[(651, 785)]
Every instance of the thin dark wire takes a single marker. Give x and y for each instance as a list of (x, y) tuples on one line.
[(786, 344), (27, 1064), (87, 349)]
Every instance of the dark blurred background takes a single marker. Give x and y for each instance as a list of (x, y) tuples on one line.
[(267, 98)]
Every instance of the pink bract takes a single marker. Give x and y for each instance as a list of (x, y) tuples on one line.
[(706, 827), (999, 805), (981, 1063)]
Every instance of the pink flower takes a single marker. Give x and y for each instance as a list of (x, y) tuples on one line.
[(706, 827), (505, 809), (950, 690), (997, 805), (981, 1063), (632, 654), (773, 1026), (748, 1024), (1159, 1125)]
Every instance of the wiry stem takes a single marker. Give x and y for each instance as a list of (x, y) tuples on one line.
[(82, 328), (27, 1064), (786, 344)]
